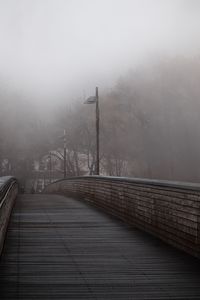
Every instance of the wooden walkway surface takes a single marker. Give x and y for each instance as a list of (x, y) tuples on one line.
[(61, 248)]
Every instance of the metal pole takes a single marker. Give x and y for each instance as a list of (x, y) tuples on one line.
[(50, 166), (65, 153), (97, 131)]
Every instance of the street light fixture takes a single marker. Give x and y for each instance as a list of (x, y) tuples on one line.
[(92, 100), (64, 155), (65, 152), (50, 167)]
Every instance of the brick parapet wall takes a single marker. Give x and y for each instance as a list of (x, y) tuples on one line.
[(5, 211), (168, 210)]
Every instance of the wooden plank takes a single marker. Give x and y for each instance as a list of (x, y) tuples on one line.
[(62, 248)]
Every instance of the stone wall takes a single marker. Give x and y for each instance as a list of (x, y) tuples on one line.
[(7, 198), (168, 210)]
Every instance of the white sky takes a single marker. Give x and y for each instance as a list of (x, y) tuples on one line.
[(48, 46)]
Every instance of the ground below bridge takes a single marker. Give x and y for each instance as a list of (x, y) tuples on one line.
[(61, 248)]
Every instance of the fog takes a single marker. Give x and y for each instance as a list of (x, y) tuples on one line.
[(144, 55), (69, 47)]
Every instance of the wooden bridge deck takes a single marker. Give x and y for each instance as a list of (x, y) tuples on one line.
[(61, 248)]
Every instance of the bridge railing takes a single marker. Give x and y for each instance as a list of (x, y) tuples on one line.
[(168, 210), (8, 193)]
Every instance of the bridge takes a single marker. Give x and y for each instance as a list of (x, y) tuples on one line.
[(99, 237)]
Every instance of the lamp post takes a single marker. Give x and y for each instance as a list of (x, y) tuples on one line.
[(50, 167), (92, 100), (65, 152)]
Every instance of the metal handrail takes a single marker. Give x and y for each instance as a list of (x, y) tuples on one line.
[(140, 181)]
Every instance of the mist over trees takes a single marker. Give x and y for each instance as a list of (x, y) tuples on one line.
[(149, 127)]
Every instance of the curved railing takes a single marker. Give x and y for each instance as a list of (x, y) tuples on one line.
[(169, 210), (8, 193)]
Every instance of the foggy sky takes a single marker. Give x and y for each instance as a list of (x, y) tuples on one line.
[(70, 46)]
